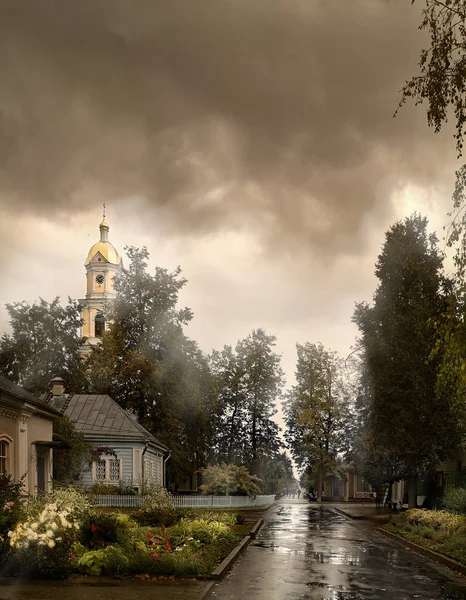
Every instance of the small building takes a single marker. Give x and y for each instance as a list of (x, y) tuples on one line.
[(26, 434), (137, 458), (347, 486)]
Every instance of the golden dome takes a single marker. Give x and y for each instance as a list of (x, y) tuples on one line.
[(107, 250)]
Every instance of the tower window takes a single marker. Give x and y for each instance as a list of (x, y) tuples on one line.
[(99, 324)]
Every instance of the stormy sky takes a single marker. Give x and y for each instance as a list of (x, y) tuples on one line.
[(250, 141)]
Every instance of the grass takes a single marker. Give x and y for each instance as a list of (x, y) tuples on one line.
[(437, 530)]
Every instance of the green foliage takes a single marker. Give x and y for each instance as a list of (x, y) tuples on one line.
[(157, 509), (44, 343), (73, 500), (148, 365), (277, 474), (203, 530), (315, 410), (103, 489), (229, 480), (410, 428), (440, 83), (10, 510), (442, 76), (100, 529), (455, 500), (109, 561), (73, 456), (43, 543), (440, 531), (247, 383)]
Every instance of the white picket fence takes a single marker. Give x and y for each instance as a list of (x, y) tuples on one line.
[(110, 501)]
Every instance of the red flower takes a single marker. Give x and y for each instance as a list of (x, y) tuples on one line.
[(186, 537), (155, 556), (93, 527), (149, 537), (163, 528), (169, 537), (167, 547)]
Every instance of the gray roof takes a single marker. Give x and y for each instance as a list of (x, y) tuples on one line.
[(100, 415), (20, 393)]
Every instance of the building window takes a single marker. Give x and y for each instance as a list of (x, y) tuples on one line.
[(158, 478), (4, 456), (107, 470), (100, 469), (114, 468), (99, 325)]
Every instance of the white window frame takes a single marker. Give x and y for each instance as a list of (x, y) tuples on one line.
[(107, 479)]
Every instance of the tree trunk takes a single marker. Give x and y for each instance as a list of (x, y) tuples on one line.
[(412, 491), (319, 484)]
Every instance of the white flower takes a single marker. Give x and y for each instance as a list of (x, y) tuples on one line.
[(49, 533), (51, 544)]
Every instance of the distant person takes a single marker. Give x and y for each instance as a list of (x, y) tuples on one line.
[(299, 494)]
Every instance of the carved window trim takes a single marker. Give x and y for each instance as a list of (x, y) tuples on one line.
[(6, 448)]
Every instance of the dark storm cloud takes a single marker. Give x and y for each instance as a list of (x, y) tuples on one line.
[(285, 106)]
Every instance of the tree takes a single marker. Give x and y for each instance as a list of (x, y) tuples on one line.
[(44, 343), (148, 365), (442, 78), (248, 382), (230, 441), (411, 428), (441, 83), (277, 474), (229, 480), (315, 411), (73, 456)]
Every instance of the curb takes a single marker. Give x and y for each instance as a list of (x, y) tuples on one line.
[(227, 562), (354, 517), (255, 530), (435, 556)]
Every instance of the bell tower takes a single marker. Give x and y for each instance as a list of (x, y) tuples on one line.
[(102, 264)]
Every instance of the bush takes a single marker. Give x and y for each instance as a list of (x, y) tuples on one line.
[(206, 532), (455, 500), (109, 560), (101, 529), (102, 489), (157, 509), (71, 499), (229, 480), (43, 543), (10, 510)]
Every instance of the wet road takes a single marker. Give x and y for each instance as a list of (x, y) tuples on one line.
[(307, 551)]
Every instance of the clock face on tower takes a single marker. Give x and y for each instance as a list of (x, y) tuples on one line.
[(99, 279)]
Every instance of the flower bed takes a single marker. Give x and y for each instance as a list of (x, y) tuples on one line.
[(437, 530), (62, 534)]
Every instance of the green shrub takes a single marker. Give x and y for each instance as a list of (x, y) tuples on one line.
[(42, 544), (157, 509), (101, 529), (10, 510), (229, 480), (110, 561), (102, 489), (71, 499), (206, 532), (455, 500)]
